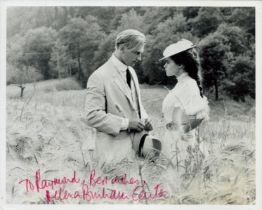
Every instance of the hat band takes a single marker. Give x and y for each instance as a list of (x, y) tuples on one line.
[(141, 144)]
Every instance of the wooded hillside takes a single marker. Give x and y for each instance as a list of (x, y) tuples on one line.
[(58, 42)]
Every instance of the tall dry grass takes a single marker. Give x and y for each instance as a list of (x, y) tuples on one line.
[(47, 130)]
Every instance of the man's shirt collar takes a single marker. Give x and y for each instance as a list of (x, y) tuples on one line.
[(120, 66)]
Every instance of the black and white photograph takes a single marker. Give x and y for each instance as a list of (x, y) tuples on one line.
[(129, 104)]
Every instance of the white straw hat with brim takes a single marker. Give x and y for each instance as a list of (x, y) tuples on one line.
[(177, 47), (146, 145)]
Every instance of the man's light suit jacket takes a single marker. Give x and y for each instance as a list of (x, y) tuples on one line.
[(108, 101)]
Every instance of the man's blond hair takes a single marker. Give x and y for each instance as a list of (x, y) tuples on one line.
[(131, 38)]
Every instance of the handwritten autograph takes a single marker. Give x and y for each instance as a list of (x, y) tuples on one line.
[(93, 188)]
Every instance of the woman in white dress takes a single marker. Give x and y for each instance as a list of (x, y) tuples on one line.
[(184, 108)]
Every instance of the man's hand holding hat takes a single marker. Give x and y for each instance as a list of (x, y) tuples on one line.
[(148, 125)]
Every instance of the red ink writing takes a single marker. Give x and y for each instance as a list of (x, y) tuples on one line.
[(42, 184), (94, 188), (140, 193)]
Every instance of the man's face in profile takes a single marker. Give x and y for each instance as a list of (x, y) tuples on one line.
[(131, 56)]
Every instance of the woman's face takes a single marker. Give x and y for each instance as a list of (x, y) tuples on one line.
[(171, 68)]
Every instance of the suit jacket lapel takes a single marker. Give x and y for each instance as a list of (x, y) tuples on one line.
[(137, 91), (122, 85)]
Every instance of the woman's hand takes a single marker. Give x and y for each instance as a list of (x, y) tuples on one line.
[(174, 126), (191, 124), (203, 114)]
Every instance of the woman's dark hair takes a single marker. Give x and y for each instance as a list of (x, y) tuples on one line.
[(191, 65)]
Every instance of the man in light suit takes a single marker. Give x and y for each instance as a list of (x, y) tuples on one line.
[(113, 101)]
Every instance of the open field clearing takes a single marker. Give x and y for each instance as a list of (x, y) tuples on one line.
[(47, 131)]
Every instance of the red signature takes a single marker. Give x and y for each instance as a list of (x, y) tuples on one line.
[(95, 187)]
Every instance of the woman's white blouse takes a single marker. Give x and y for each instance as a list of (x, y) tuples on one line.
[(185, 95)]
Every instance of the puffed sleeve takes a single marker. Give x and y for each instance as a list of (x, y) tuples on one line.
[(204, 112), (192, 101)]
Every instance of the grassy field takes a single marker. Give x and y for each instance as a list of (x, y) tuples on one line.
[(47, 130)]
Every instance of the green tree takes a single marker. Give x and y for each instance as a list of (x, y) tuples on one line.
[(18, 68), (131, 20), (37, 49), (21, 75), (15, 50), (105, 49), (81, 38), (214, 61), (234, 37), (152, 68), (104, 16), (244, 18), (190, 12), (61, 62), (221, 53), (242, 79), (207, 21)]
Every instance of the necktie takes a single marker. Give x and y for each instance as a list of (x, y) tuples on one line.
[(128, 77), (128, 80)]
